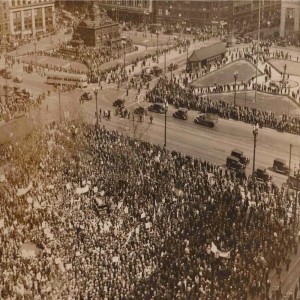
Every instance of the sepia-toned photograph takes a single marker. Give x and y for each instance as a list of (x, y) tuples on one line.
[(149, 149)]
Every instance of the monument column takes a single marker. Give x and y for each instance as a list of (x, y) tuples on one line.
[(282, 20)]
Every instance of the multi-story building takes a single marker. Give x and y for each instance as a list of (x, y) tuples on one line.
[(290, 19), (27, 17), (245, 14), (237, 14), (193, 13), (136, 11), (4, 24)]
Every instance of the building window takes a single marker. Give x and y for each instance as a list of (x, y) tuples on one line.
[(17, 21), (38, 18), (27, 19), (160, 12)]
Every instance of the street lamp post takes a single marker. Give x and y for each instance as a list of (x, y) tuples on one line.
[(296, 198), (96, 98), (170, 15), (35, 43), (124, 57), (59, 104), (213, 265), (157, 34), (255, 133), (187, 57), (166, 109), (235, 75)]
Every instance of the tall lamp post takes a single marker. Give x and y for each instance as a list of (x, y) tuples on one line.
[(235, 75), (35, 43), (124, 46), (255, 133), (297, 175), (170, 15), (146, 19), (166, 104), (96, 98), (59, 104), (213, 265), (157, 34)]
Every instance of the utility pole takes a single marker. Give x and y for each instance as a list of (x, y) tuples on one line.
[(257, 51), (296, 198), (290, 166), (165, 62)]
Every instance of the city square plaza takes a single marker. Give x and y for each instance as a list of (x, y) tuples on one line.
[(211, 145)]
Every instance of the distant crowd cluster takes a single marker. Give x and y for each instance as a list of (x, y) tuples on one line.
[(171, 91), (89, 213)]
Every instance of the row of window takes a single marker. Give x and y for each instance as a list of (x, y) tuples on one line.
[(27, 2)]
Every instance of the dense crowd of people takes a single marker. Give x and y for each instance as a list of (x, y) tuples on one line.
[(164, 216), (174, 93), (16, 101)]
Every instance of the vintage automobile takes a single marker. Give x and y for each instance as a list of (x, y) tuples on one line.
[(119, 103), (294, 182), (206, 119), (172, 67), (156, 71), (141, 111), (262, 175), (157, 107), (181, 114), (279, 166), (86, 96), (18, 79), (233, 163), (240, 155)]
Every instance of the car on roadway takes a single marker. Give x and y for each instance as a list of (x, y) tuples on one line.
[(172, 67), (168, 31), (181, 113), (86, 96), (157, 107), (279, 166), (294, 182), (240, 155), (119, 103), (238, 41), (261, 174), (156, 71), (141, 111), (18, 79), (7, 75), (3, 70), (233, 163), (206, 119)]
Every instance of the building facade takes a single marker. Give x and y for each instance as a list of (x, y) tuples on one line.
[(245, 14), (28, 17), (4, 24), (290, 19), (135, 11), (193, 13)]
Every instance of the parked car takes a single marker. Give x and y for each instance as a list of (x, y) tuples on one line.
[(141, 111), (238, 41), (156, 71), (233, 163), (209, 120), (181, 114), (168, 31), (119, 103), (3, 70), (294, 182), (157, 107), (262, 175), (86, 96), (240, 155), (279, 166), (7, 75), (18, 79), (172, 67)]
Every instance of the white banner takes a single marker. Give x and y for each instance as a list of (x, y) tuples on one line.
[(24, 191), (83, 190), (223, 254)]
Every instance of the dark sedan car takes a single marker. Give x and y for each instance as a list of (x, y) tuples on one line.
[(141, 111), (206, 120), (181, 114), (157, 107), (262, 175), (86, 96), (120, 103)]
